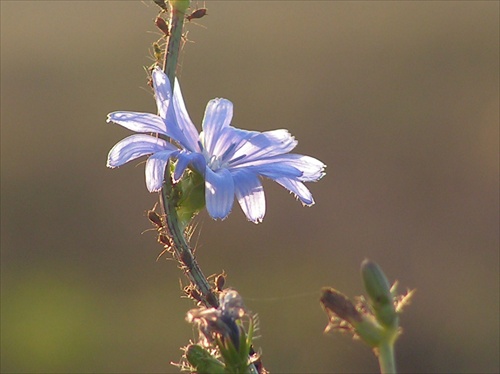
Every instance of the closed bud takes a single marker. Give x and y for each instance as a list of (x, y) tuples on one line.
[(379, 291)]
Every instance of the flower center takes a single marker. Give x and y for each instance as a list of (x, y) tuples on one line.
[(216, 162)]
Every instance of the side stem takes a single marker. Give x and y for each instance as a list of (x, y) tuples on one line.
[(386, 357)]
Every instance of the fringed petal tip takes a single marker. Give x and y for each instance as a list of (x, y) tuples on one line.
[(250, 195), (309, 204), (256, 221), (305, 202), (322, 173), (298, 189), (109, 165), (153, 189), (111, 117), (220, 218), (314, 178)]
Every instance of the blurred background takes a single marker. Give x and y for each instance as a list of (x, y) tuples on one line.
[(399, 99)]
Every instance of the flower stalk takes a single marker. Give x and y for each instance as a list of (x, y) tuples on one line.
[(180, 245), (177, 13), (386, 359)]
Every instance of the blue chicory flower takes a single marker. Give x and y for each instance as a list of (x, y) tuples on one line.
[(231, 160)]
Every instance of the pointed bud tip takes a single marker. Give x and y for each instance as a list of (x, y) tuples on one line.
[(379, 291), (376, 282)]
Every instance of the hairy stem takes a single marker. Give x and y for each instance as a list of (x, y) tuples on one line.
[(180, 245), (174, 43)]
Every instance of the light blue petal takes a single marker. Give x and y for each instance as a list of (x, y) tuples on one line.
[(219, 193), (135, 146), (271, 170), (250, 194), (163, 92), (310, 169), (184, 158), (298, 189), (262, 145), (185, 133), (173, 111), (138, 122), (229, 140), (155, 169), (218, 116)]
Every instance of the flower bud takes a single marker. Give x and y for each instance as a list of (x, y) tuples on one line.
[(379, 291)]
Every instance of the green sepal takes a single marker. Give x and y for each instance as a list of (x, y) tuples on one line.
[(236, 359), (203, 361), (369, 331), (189, 194)]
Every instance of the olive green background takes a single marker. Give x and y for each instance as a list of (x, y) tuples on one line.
[(399, 99)]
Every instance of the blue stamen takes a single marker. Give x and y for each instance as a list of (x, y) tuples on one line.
[(236, 159), (227, 151)]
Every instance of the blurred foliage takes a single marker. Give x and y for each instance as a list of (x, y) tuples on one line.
[(49, 323)]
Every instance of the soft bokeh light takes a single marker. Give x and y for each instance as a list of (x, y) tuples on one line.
[(399, 99)]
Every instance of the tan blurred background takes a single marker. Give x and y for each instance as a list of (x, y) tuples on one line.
[(399, 99)]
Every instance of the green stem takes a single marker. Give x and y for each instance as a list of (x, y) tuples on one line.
[(180, 245), (174, 43), (386, 357)]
